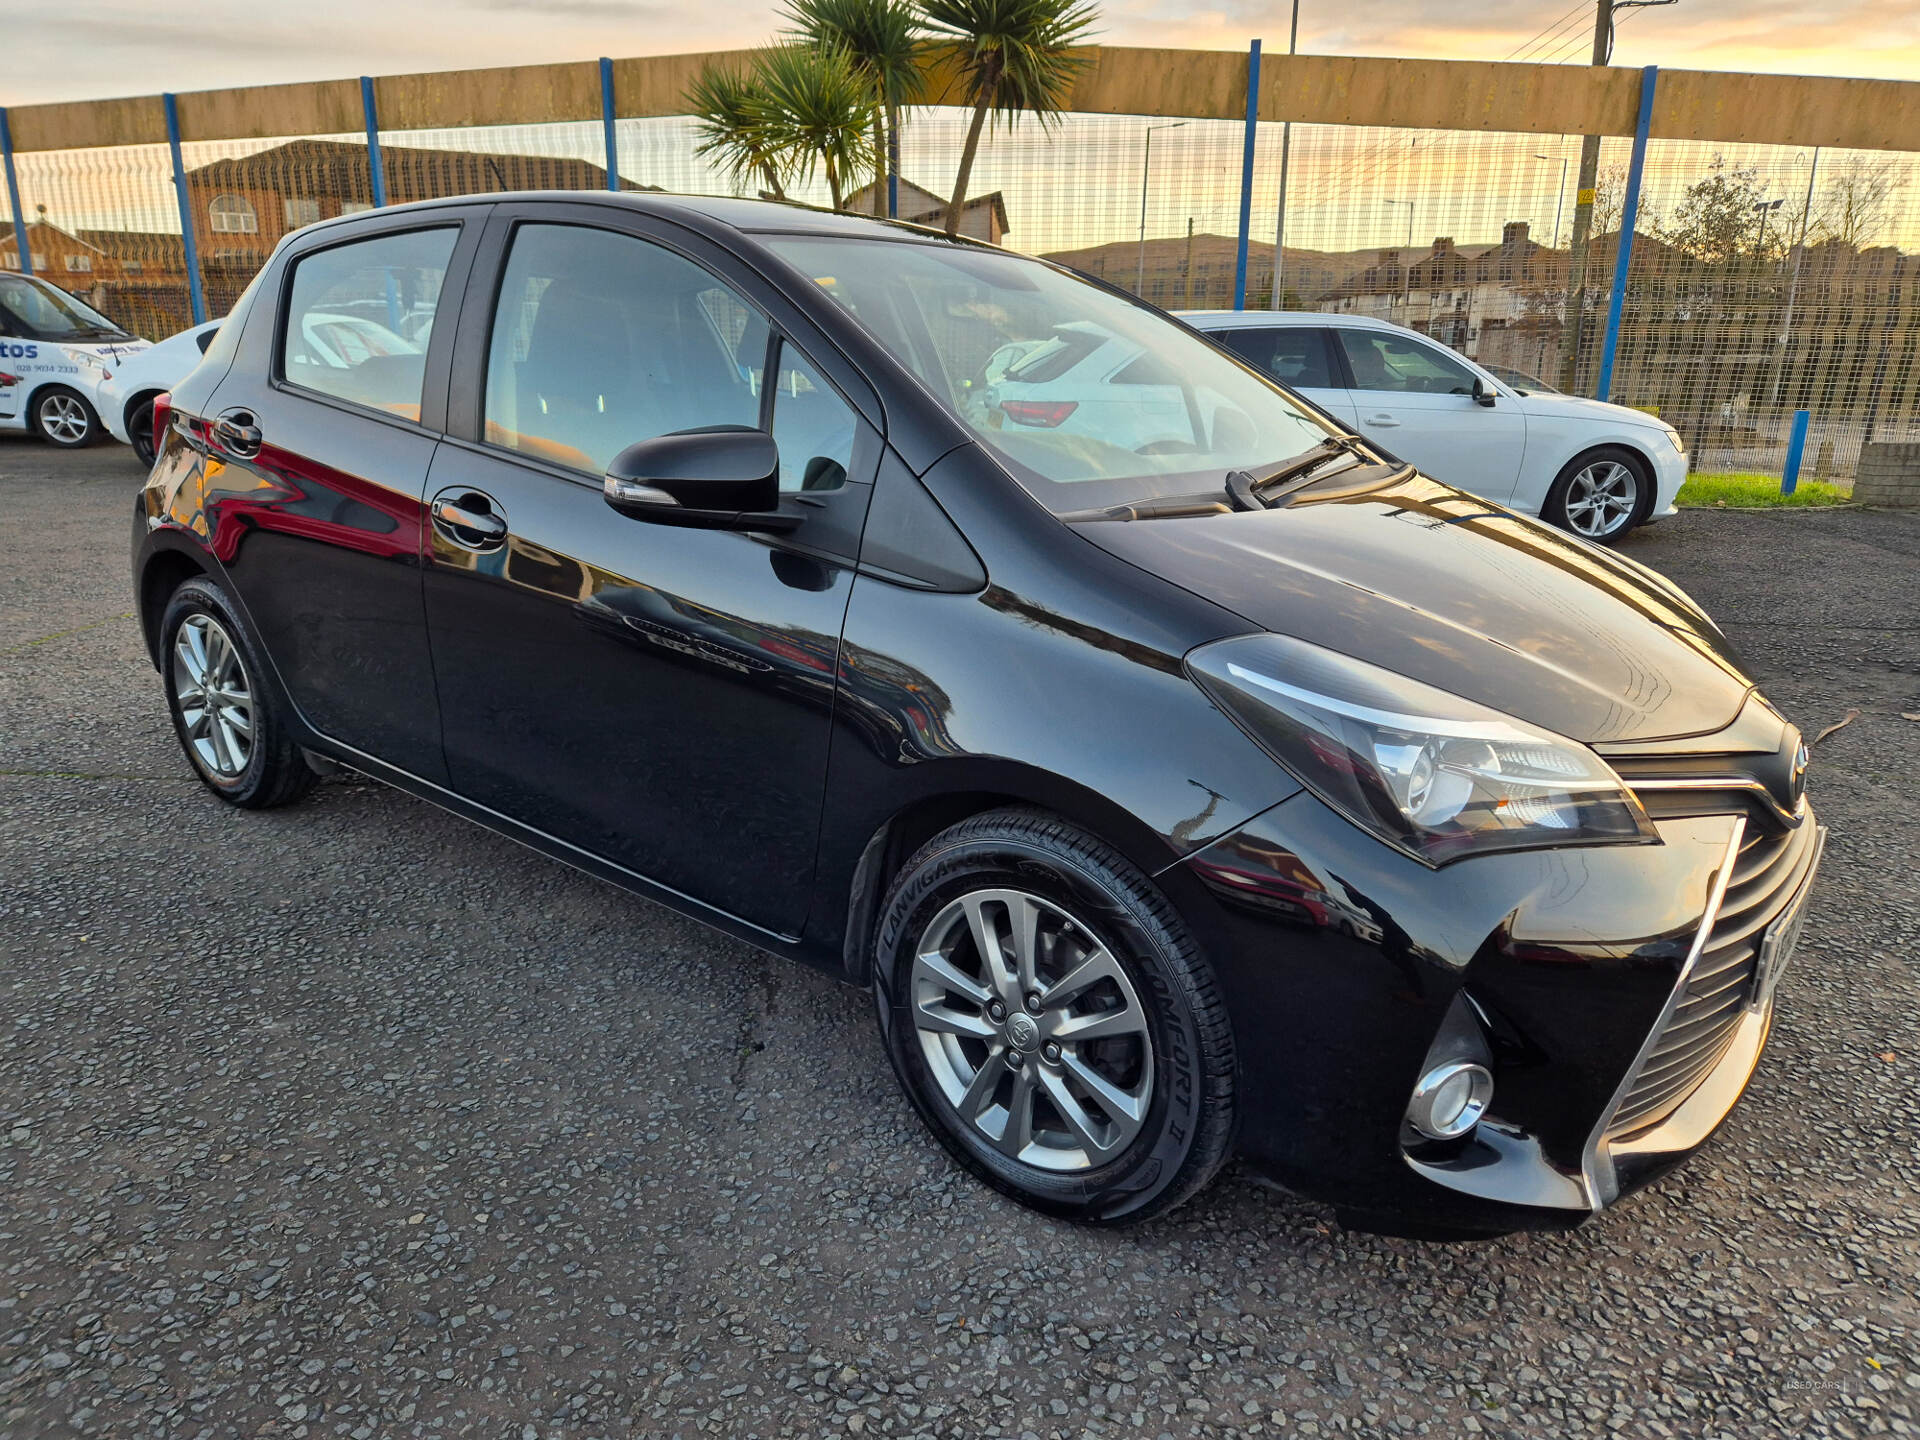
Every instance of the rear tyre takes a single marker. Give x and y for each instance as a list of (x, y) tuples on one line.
[(1052, 1020), (225, 718), (64, 418), (140, 432), (1600, 495)]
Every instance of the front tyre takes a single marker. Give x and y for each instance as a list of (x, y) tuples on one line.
[(1052, 1020), (225, 719), (64, 418), (1600, 495)]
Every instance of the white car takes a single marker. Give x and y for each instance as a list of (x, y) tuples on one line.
[(125, 398), (55, 352), (1592, 468), (1085, 380)]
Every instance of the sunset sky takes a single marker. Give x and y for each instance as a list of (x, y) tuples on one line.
[(86, 49)]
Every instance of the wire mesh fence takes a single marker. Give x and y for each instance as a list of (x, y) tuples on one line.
[(1763, 279)]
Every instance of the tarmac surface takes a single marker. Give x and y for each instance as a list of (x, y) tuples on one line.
[(354, 1119)]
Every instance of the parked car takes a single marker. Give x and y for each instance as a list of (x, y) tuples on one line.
[(1261, 792), (1592, 468), (55, 352), (124, 399)]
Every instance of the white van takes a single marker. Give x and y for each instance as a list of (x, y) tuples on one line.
[(55, 351)]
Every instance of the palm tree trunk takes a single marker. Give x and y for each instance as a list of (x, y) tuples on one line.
[(772, 177), (879, 161), (892, 161), (833, 183), (980, 108)]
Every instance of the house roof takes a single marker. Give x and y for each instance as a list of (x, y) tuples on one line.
[(339, 168), (920, 206)]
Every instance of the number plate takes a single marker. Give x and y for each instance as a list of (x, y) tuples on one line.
[(1783, 935)]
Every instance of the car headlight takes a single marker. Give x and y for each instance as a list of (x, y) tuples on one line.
[(1678, 443), (1433, 774)]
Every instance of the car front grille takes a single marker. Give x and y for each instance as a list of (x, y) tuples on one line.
[(1767, 874)]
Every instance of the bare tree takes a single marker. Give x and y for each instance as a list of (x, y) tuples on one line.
[(1855, 200)]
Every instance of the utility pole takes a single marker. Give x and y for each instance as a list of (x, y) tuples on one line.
[(1575, 323), (1576, 315), (1280, 219)]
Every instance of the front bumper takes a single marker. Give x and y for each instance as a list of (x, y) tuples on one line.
[(1669, 474), (1342, 958)]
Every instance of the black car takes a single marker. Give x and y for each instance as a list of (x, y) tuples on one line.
[(1238, 789)]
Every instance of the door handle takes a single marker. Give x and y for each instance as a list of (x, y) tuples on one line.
[(462, 514), (1385, 422), (238, 432)]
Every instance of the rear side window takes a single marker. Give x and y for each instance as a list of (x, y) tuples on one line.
[(601, 340), (360, 316), (1293, 355)]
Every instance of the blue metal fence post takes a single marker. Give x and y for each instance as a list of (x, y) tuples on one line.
[(1629, 215), (21, 242), (191, 250), (1246, 177), (606, 123), (375, 170), (1796, 447)]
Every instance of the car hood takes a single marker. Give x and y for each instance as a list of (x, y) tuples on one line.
[(1445, 588), (1536, 402)]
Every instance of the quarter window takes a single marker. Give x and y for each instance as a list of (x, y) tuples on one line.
[(813, 427), (232, 215), (360, 316), (1382, 360), (601, 340)]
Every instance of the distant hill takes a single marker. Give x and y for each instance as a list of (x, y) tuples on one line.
[(1309, 273)]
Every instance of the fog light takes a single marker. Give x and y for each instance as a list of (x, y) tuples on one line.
[(1450, 1099)]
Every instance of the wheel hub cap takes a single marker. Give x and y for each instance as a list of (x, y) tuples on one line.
[(1032, 1030), (62, 418), (1601, 498), (215, 697)]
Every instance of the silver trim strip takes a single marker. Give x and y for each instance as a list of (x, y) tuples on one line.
[(1602, 1185), (1791, 818)]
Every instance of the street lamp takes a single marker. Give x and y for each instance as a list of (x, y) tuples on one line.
[(1146, 162), (1406, 266), (1560, 203)]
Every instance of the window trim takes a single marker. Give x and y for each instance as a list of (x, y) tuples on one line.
[(215, 215), (453, 284)]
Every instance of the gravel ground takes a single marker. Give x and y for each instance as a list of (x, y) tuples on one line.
[(354, 1119)]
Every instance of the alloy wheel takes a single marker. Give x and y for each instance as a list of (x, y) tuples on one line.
[(1032, 1031), (1601, 499), (215, 697), (63, 419)]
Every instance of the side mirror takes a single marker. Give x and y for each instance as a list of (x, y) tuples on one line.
[(1482, 395), (722, 477)]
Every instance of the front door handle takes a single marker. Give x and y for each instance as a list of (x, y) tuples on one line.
[(470, 518), (238, 432), (1385, 422)]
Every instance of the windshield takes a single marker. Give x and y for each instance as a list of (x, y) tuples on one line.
[(48, 313), (1092, 400)]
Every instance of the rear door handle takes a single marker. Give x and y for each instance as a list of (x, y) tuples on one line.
[(471, 518), (238, 432)]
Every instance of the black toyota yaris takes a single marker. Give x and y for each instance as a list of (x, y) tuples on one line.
[(1182, 774)]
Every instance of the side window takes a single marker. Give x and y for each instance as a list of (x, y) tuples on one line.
[(812, 426), (1294, 355), (601, 340), (1385, 361), (359, 318)]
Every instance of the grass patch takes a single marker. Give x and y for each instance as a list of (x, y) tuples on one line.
[(1746, 488)]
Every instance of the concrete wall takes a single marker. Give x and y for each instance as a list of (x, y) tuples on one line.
[(1889, 474)]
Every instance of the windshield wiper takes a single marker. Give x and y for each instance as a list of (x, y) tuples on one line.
[(1161, 508), (1256, 490)]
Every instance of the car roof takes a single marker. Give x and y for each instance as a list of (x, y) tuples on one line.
[(703, 212)]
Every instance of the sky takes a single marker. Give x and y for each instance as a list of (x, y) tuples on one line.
[(89, 49)]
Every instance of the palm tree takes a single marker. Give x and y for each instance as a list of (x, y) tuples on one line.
[(817, 110), (1013, 57), (884, 41), (731, 108)]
